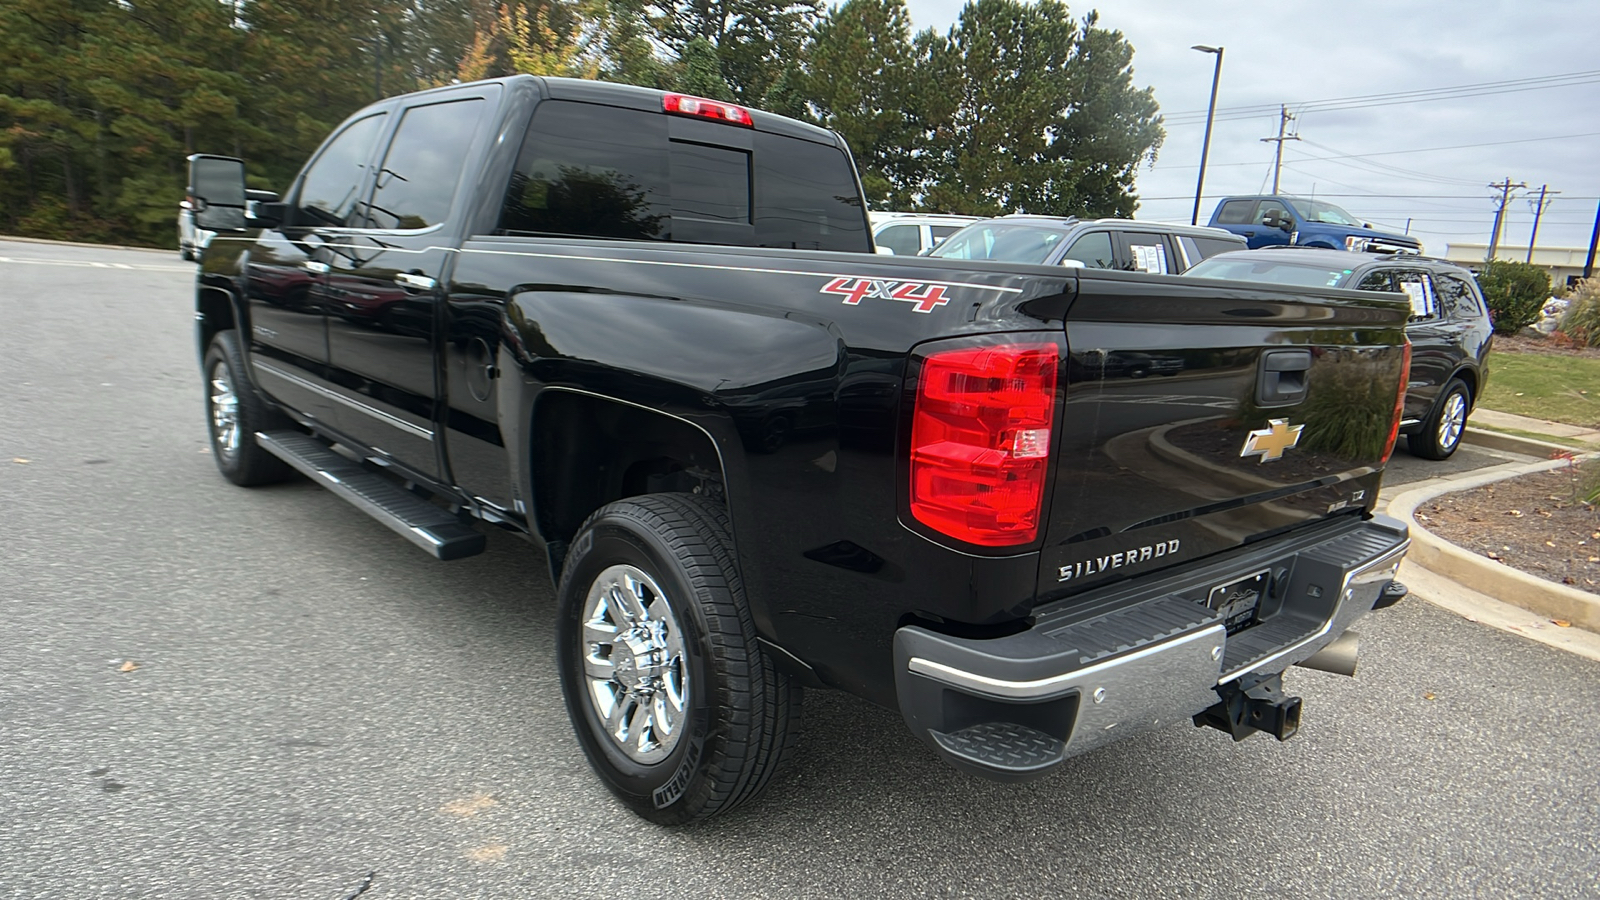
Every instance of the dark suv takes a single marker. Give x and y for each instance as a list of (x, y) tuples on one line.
[(1450, 330)]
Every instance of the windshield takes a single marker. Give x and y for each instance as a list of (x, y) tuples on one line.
[(1008, 242), (1249, 266), (1326, 213)]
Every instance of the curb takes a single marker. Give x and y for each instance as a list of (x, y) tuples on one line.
[(1496, 580), (32, 240), (1512, 443)]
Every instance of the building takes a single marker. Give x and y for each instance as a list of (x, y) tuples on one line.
[(1565, 264)]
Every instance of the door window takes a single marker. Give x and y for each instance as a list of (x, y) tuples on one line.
[(902, 239), (1235, 212), (1147, 253), (1093, 250), (1457, 300), (333, 184), (1271, 209), (1418, 287), (417, 181)]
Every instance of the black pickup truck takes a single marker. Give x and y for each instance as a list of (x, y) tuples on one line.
[(648, 333)]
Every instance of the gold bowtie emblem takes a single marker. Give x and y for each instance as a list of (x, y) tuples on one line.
[(1270, 442)]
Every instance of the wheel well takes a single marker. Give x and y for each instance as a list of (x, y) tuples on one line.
[(216, 314), (1470, 379), (588, 451)]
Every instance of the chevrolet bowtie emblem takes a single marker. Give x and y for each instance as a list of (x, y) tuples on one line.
[(1270, 442)]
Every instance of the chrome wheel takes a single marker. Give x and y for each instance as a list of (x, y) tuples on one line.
[(1452, 420), (633, 661), (224, 411)]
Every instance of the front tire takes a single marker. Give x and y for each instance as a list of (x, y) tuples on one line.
[(675, 704), (1441, 433), (234, 413)]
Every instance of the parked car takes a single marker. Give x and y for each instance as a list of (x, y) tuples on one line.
[(1270, 220), (1450, 330), (912, 234), (1090, 243)]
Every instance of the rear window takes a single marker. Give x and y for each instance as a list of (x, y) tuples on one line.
[(1002, 241), (1251, 266), (598, 171)]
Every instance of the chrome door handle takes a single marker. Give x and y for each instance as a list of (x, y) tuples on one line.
[(416, 282), (311, 265)]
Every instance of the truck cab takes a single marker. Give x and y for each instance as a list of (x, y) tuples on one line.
[(1268, 220)]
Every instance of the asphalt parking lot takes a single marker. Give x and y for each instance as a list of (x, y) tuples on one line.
[(215, 692)]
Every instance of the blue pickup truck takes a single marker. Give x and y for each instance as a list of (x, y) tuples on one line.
[(1267, 220)]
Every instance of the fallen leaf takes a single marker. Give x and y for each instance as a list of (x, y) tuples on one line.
[(128, 666), (1514, 512), (1427, 695), (471, 806), (1562, 623), (490, 853), (1519, 393), (1549, 543)]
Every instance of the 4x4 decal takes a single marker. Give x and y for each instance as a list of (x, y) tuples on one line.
[(927, 297)]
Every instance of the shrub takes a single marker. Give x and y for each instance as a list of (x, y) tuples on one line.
[(1582, 319), (1515, 292)]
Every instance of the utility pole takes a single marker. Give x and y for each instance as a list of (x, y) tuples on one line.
[(1205, 146), (1505, 190), (1538, 210), (1277, 161), (1594, 238)]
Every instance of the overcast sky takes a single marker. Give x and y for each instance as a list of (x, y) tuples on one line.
[(1296, 52)]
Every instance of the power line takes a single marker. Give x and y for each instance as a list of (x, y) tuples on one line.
[(1392, 98), (1537, 140)]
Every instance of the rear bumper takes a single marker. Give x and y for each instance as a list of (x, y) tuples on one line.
[(1135, 656)]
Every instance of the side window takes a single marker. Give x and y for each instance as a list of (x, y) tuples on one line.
[(940, 232), (807, 196), (1417, 286), (1093, 250), (1270, 209), (418, 178), (1236, 212), (1147, 253), (902, 239), (1456, 298), (593, 171), (709, 183), (332, 185), (1210, 247), (1381, 280)]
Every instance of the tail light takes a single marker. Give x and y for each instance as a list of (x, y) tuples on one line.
[(1399, 401), (701, 108), (980, 441)]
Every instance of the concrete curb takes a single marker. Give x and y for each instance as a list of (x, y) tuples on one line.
[(1512, 443), (30, 240), (1496, 580)]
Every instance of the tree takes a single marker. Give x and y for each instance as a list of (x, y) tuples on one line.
[(860, 81), (1515, 292), (754, 39), (702, 75)]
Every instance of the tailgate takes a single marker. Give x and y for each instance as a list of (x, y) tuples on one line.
[(1201, 416)]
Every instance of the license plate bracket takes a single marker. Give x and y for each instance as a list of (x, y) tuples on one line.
[(1239, 601)]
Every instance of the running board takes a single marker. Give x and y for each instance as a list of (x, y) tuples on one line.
[(433, 529)]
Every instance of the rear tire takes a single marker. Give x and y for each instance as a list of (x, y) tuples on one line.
[(1441, 433), (675, 704), (234, 413)]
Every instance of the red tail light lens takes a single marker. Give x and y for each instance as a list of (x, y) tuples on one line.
[(980, 441), (1399, 401), (701, 108)]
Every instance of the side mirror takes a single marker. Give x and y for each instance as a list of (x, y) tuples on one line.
[(885, 251), (1073, 264), (1278, 221), (216, 189)]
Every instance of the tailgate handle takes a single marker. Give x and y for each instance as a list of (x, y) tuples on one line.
[(1282, 380)]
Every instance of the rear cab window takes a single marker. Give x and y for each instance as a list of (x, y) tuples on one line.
[(596, 171)]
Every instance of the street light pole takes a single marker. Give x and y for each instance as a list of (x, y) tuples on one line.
[(1205, 146)]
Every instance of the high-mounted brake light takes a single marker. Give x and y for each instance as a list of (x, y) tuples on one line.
[(701, 108), (980, 441), (1399, 401)]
